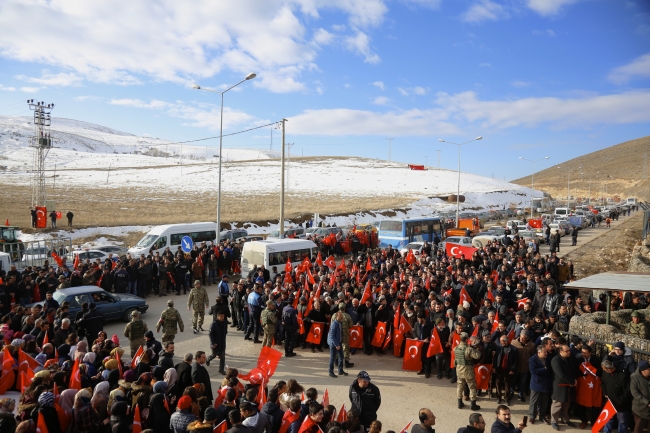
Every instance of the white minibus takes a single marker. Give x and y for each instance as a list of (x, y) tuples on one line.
[(161, 237), (275, 252)]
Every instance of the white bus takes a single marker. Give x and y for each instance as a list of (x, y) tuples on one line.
[(275, 252), (161, 237), (631, 201)]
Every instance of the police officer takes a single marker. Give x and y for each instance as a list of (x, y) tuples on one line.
[(637, 327), (290, 323), (135, 331), (465, 355), (198, 301), (269, 322), (346, 324), (170, 320)]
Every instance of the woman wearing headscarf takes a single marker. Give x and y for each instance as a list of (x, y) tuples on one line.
[(7, 419), (64, 353), (121, 421), (141, 391), (29, 399), (81, 350), (113, 379), (120, 393), (109, 364), (46, 408), (59, 379), (158, 415), (171, 379), (97, 350), (99, 401), (66, 401), (89, 360), (85, 419)]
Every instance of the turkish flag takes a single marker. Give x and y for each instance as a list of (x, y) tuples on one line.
[(455, 339), (396, 317), (319, 259), (57, 259), (287, 267), (342, 415), (41, 427), (255, 376), (410, 257), (301, 325), (380, 334), (495, 278), (608, 412), (511, 335), (356, 337), (464, 296), (406, 429), (495, 324), (326, 398), (386, 341), (310, 277), (261, 397), (75, 377), (26, 362), (99, 282), (24, 379), (62, 415), (287, 419), (315, 332), (404, 325), (137, 422), (397, 345), (330, 262), (119, 363), (435, 345), (221, 396), (368, 265), (267, 360), (475, 332), (307, 424), (342, 266), (333, 276), (482, 372), (454, 250), (221, 428), (367, 293), (588, 390), (8, 375), (412, 357), (75, 263), (521, 303), (136, 357), (490, 295), (306, 263)]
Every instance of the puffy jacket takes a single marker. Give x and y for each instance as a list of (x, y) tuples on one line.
[(365, 401), (640, 388)]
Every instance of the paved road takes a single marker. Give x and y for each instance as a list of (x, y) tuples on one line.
[(403, 393)]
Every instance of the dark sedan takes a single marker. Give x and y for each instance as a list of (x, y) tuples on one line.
[(112, 305)]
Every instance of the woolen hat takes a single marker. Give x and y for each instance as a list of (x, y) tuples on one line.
[(363, 375), (185, 402), (210, 414), (643, 365), (619, 345)]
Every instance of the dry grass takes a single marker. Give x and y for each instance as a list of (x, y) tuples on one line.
[(618, 169), (142, 206)]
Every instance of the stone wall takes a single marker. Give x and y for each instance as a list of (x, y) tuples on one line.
[(593, 326), (640, 258)]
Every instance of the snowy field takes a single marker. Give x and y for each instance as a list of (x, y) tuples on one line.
[(93, 156)]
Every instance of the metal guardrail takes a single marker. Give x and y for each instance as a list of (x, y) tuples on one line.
[(35, 253)]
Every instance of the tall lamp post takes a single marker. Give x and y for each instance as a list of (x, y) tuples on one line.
[(458, 193), (568, 189), (197, 87), (533, 180)]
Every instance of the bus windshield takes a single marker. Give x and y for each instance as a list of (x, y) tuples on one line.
[(390, 226)]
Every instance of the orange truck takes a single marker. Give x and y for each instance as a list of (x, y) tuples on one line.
[(471, 224)]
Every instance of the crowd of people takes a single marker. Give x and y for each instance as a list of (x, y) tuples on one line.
[(504, 307)]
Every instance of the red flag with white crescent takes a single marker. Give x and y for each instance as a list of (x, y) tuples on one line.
[(319, 259), (435, 345), (367, 293), (459, 251), (368, 265), (75, 377), (521, 303), (342, 415), (482, 372), (412, 356), (380, 334), (315, 333), (464, 296), (356, 337), (326, 398), (495, 324), (455, 339), (608, 412), (137, 422), (330, 262)]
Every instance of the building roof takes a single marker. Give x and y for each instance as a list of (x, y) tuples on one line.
[(614, 281)]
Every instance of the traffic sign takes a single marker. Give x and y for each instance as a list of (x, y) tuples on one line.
[(187, 244)]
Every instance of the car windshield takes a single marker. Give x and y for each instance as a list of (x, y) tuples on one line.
[(58, 296), (413, 246), (275, 234), (146, 241), (8, 235)]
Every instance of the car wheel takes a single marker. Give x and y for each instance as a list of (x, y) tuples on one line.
[(127, 314)]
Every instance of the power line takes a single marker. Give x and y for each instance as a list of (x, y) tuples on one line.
[(212, 138)]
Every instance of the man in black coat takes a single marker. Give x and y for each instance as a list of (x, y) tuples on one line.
[(422, 331), (503, 424), (218, 332), (616, 387), (504, 364), (476, 424), (93, 322), (200, 374), (184, 371), (365, 398), (565, 379)]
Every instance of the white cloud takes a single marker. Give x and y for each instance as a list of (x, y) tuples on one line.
[(420, 90), (412, 91), (456, 113), (381, 100), (402, 91), (547, 32), (30, 89), (125, 42), (639, 67), (520, 84), (61, 79), (485, 65), (198, 115), (484, 10), (7, 89), (620, 108), (548, 7), (360, 43), (379, 84), (430, 4), (84, 98)]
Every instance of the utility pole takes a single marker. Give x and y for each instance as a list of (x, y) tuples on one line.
[(289, 145), (282, 183), (390, 144), (271, 146), (42, 143)]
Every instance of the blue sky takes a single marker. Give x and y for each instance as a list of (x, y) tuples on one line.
[(535, 78)]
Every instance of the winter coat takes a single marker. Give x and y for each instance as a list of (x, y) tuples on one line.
[(616, 387), (564, 371), (541, 374), (640, 389), (365, 401), (274, 414), (513, 358), (334, 334), (501, 427), (218, 331)]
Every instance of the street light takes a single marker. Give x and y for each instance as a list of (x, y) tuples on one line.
[(197, 87), (568, 189), (533, 180), (458, 193)]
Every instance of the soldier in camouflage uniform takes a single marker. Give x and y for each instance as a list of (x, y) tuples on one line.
[(637, 327), (170, 319), (198, 299), (269, 323), (464, 356), (346, 324), (135, 331)]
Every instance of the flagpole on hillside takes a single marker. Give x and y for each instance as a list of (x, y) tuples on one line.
[(197, 87)]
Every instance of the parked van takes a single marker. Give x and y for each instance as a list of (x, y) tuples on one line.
[(275, 252), (561, 211), (161, 237), (296, 232)]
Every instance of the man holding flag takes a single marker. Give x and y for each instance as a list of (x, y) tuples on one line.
[(616, 387)]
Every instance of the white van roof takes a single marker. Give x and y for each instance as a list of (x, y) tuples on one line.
[(160, 229), (281, 244)]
